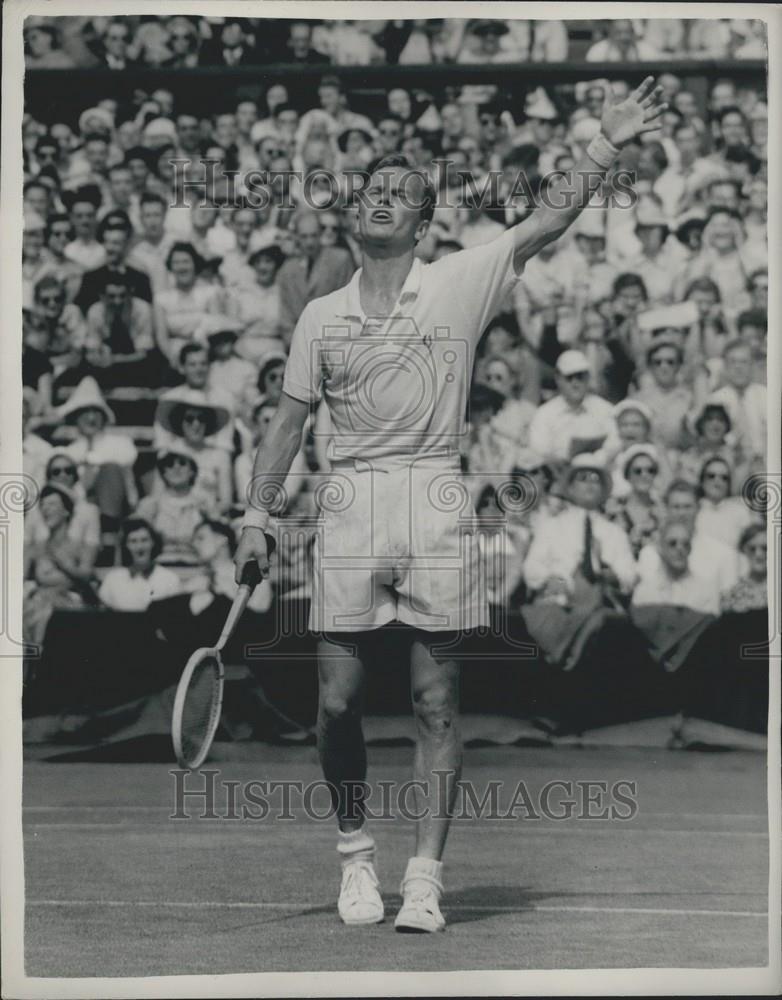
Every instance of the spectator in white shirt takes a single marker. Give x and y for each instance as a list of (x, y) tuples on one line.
[(744, 399), (82, 205), (564, 542), (670, 579), (105, 460), (721, 514), (709, 557), (621, 45), (575, 420), (136, 584)]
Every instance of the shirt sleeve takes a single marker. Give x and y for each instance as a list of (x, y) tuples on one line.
[(480, 278), (302, 378)]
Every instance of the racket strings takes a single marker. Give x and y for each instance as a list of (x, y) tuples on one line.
[(200, 712)]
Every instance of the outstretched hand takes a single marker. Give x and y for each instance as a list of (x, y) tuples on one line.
[(640, 112)]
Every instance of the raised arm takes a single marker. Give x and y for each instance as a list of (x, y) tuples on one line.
[(273, 460), (621, 123)]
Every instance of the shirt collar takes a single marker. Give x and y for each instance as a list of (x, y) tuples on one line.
[(352, 302)]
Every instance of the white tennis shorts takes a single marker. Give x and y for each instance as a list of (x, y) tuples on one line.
[(397, 542)]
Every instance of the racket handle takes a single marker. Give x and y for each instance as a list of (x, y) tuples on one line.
[(236, 612)]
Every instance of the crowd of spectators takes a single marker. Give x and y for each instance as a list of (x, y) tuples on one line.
[(624, 377), (182, 41)]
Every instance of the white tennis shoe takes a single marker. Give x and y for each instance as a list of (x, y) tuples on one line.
[(359, 896), (420, 913)]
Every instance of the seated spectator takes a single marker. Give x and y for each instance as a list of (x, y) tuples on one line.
[(82, 205), (637, 507), (575, 420), (57, 567), (59, 233), (120, 326), (256, 307), (233, 44), (712, 426), (37, 370), (139, 581), (621, 45), (194, 362), (667, 399), (150, 252), (316, 271), (190, 309), (751, 591), (36, 451), (512, 421), (34, 260), (709, 556), (114, 235), (193, 424), (63, 322), (721, 514), (745, 401), (579, 539), (230, 374), (105, 460), (671, 579), (42, 45), (84, 524), (178, 507)]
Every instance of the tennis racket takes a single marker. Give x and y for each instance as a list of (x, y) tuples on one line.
[(199, 694)]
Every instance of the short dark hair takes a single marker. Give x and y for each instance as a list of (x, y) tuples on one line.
[(220, 528), (730, 110), (703, 285), (758, 528), (138, 524), (629, 279), (192, 348), (150, 198), (400, 160), (190, 250), (753, 317)]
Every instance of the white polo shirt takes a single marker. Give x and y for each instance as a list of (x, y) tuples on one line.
[(398, 387)]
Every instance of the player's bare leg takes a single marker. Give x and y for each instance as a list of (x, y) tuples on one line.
[(344, 762), (437, 766)]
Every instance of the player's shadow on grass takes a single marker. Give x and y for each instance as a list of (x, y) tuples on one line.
[(479, 902)]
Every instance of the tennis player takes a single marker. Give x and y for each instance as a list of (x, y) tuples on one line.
[(392, 355)]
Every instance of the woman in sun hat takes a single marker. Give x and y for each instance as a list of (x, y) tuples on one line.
[(638, 509), (105, 459), (193, 423)]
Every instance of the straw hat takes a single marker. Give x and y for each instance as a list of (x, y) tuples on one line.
[(588, 460), (86, 396), (171, 411), (629, 455)]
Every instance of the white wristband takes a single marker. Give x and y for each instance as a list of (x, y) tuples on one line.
[(602, 151), (255, 518)]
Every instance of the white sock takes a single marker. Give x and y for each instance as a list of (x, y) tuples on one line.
[(426, 869), (357, 845)]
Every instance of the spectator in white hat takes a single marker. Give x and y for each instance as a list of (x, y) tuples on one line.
[(575, 420), (105, 460), (668, 400), (621, 45)]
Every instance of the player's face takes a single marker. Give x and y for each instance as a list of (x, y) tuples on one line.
[(389, 213)]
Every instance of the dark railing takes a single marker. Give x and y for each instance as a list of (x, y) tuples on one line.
[(210, 88)]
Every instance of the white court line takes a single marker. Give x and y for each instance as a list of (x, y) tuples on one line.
[(500, 826), (455, 908)]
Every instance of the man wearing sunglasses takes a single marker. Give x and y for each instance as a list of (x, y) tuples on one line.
[(391, 354), (576, 420)]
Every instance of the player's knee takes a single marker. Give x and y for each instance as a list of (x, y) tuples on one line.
[(436, 709)]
